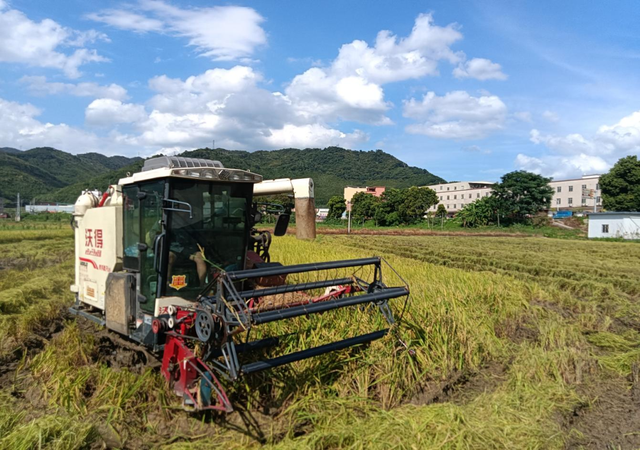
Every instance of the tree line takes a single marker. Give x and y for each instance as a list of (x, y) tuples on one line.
[(515, 199)]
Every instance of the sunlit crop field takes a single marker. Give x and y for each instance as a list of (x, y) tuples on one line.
[(515, 343)]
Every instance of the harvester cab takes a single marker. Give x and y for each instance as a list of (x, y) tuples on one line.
[(171, 259)]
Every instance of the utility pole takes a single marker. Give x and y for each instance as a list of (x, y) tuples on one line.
[(18, 209), (349, 222)]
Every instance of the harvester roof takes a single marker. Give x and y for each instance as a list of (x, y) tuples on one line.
[(192, 168)]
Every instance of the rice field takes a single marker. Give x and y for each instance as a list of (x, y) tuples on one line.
[(514, 343)]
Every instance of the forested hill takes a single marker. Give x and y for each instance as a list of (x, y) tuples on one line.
[(331, 168), (40, 172), (53, 175)]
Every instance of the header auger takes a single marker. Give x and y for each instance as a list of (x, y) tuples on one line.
[(170, 258)]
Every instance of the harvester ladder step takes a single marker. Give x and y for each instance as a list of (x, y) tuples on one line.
[(327, 305), (311, 352)]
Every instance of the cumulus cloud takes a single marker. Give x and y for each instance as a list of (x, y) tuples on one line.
[(222, 104), (575, 154), (480, 69), (38, 85), (561, 167), (45, 43), (456, 115), (350, 88), (221, 33), (19, 126), (107, 111)]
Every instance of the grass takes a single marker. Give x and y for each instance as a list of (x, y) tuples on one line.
[(555, 316)]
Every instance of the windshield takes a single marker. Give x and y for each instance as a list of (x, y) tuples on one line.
[(213, 220)]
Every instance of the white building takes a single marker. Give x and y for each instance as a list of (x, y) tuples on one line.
[(321, 214), (455, 195), (577, 193), (614, 225)]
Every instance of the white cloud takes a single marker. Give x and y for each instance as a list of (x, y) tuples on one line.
[(624, 135), (392, 59), (106, 112), (456, 115), (480, 69), (127, 20), (222, 33), (551, 116), (523, 116), (20, 127), (575, 155), (38, 85), (222, 104), (350, 88), (314, 135), (45, 43), (562, 167)]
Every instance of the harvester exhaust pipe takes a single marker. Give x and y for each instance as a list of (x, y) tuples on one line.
[(302, 189)]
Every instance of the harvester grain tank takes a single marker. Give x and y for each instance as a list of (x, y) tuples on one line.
[(170, 258)]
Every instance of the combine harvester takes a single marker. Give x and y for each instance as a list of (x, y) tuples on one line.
[(169, 258)]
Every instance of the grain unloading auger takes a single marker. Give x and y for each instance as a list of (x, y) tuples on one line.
[(170, 258)]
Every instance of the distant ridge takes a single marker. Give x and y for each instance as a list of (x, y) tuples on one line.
[(53, 175), (9, 150), (41, 171)]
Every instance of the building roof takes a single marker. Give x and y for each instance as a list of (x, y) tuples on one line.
[(616, 213), (583, 178)]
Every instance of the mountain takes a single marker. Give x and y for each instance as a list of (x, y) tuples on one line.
[(9, 150), (331, 168), (40, 171)]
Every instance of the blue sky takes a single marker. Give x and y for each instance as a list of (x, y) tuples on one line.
[(467, 90)]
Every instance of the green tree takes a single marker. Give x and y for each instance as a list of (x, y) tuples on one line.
[(621, 186), (387, 213), (442, 213), (364, 206), (521, 194), (337, 205), (416, 202), (483, 212)]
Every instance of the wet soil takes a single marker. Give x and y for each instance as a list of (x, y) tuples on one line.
[(462, 387), (611, 421)]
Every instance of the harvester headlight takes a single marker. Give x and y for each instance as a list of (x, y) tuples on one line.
[(180, 172), (235, 177), (194, 174), (207, 174)]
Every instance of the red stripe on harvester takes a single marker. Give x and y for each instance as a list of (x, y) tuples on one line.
[(95, 266)]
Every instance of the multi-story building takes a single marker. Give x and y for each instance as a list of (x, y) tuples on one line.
[(578, 193), (454, 196), (350, 191)]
